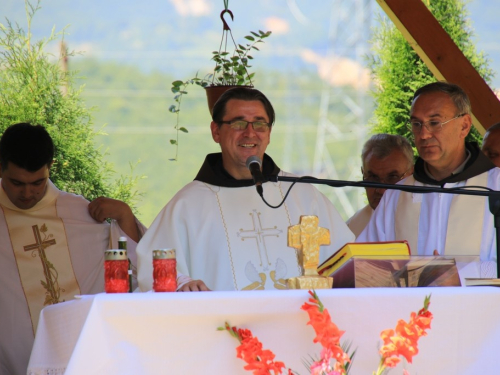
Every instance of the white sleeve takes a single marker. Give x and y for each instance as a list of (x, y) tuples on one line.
[(381, 225)]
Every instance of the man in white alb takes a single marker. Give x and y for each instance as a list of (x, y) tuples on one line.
[(386, 158), (52, 243), (226, 238), (443, 224)]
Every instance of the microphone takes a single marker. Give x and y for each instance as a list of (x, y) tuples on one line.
[(254, 164)]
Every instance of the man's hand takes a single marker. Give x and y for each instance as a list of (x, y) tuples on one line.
[(103, 208), (194, 286)]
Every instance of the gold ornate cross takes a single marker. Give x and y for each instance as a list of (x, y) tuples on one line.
[(307, 237)]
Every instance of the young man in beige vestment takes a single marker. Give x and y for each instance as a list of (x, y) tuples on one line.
[(387, 159), (52, 243), (444, 224)]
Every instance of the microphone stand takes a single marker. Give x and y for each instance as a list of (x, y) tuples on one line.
[(493, 195)]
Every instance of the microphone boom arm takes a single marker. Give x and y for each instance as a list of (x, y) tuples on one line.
[(493, 195)]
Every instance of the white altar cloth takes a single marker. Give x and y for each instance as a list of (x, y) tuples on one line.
[(175, 333)]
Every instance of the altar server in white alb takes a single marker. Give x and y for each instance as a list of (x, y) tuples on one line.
[(448, 224), (225, 236), (52, 243)]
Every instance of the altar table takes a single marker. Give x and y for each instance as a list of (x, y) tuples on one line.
[(176, 333)]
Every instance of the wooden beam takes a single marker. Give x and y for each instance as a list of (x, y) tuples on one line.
[(442, 56)]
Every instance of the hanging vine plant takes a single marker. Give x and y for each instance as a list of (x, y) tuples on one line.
[(231, 69)]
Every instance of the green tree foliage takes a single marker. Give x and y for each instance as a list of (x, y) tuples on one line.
[(398, 71), (31, 82)]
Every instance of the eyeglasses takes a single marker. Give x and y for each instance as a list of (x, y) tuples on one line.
[(432, 126), (258, 126), (391, 179)]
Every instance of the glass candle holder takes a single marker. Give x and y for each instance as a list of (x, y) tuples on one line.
[(116, 278), (164, 270)]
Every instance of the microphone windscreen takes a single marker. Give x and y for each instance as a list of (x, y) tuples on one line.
[(253, 159)]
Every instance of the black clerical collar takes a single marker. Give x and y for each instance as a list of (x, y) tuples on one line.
[(212, 172), (478, 163)]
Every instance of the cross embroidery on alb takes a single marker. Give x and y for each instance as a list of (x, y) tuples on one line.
[(51, 285), (259, 234)]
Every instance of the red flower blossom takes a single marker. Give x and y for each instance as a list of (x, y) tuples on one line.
[(327, 333), (259, 360), (404, 339), (399, 342)]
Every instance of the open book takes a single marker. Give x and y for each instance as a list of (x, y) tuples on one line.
[(341, 256)]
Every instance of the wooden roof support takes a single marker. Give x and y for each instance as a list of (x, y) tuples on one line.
[(442, 56)]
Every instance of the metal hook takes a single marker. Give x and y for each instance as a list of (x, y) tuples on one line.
[(226, 26)]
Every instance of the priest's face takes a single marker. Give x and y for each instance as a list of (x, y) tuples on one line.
[(238, 145), (24, 188), (444, 148), (491, 146), (389, 170)]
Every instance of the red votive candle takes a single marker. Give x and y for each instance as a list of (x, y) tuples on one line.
[(116, 278), (164, 270)]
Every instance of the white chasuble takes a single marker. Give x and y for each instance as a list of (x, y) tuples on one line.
[(231, 240), (40, 246), (256, 241), (466, 215)]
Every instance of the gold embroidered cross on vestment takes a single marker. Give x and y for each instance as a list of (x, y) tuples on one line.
[(50, 284)]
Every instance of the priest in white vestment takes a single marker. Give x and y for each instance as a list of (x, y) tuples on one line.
[(52, 243), (444, 224), (225, 237), (386, 159)]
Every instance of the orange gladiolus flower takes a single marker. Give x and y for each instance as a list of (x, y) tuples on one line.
[(399, 342), (327, 333), (259, 360), (404, 339)]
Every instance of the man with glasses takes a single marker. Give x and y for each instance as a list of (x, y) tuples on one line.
[(386, 159), (225, 237), (444, 224)]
